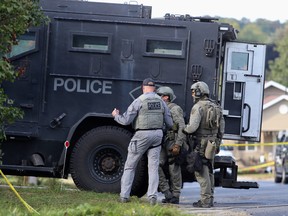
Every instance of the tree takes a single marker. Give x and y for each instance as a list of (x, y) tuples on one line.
[(16, 16), (252, 33), (278, 69)]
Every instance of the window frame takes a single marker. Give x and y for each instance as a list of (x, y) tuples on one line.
[(35, 49), (78, 49), (150, 54)]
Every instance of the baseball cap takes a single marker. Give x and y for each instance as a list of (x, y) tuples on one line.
[(148, 82)]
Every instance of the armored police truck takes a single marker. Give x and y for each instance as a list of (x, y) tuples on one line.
[(93, 57)]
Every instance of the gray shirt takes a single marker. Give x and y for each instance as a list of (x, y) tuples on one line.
[(132, 111)]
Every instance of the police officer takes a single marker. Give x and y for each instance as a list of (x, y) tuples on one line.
[(173, 141), (148, 113), (207, 125)]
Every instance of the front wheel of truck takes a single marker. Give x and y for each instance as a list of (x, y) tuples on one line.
[(98, 158)]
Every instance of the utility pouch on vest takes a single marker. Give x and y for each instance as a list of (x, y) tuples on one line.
[(210, 150)]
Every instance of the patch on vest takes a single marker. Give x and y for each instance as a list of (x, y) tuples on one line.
[(154, 105)]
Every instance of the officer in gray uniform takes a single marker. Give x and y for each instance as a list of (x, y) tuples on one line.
[(206, 123), (149, 114), (173, 141)]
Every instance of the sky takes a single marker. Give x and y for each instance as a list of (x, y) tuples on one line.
[(272, 10)]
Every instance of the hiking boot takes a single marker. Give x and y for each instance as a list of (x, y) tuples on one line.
[(199, 204), (124, 200), (153, 201), (174, 200), (168, 196)]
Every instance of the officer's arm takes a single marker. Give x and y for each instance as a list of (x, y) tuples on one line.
[(130, 114), (167, 117), (194, 122), (177, 115)]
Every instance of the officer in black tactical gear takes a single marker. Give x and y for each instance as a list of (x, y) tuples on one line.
[(206, 123), (148, 113), (173, 141)]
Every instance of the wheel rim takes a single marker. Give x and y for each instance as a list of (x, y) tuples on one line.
[(106, 164)]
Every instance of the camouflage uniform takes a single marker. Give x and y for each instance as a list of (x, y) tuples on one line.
[(171, 187), (198, 127)]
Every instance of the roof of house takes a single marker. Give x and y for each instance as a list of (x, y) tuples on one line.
[(275, 101), (276, 85)]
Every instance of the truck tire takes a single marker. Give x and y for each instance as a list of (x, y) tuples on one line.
[(277, 179), (98, 158), (277, 176)]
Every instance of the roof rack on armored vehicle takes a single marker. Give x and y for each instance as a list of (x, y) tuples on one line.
[(187, 17), (102, 9)]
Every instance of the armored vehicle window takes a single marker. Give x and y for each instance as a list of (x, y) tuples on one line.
[(25, 44), (164, 48), (90, 43), (240, 61)]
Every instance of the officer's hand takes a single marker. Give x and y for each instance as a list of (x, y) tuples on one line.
[(175, 150), (217, 150), (218, 143), (115, 112)]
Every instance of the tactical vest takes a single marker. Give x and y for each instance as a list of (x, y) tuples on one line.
[(151, 114), (211, 118)]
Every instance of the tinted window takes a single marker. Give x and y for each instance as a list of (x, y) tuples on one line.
[(164, 48), (25, 43), (90, 43), (240, 61)]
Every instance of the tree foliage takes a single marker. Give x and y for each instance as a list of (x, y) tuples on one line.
[(279, 67), (16, 16)]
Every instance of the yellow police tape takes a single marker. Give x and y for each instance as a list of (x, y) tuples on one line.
[(255, 144), (30, 209), (252, 168)]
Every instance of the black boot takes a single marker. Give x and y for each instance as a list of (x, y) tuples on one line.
[(168, 196), (174, 200)]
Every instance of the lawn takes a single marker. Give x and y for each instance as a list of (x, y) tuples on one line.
[(53, 197)]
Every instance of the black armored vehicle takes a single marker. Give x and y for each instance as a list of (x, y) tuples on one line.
[(92, 57)]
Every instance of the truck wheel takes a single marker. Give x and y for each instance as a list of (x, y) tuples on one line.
[(277, 178), (98, 158)]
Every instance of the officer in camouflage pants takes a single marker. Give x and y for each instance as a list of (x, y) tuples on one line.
[(172, 142), (206, 123), (148, 113)]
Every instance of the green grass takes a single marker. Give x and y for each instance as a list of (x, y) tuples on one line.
[(56, 198)]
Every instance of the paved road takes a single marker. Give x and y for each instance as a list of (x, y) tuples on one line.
[(270, 199)]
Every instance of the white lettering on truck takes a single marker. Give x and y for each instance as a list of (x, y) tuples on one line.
[(76, 85)]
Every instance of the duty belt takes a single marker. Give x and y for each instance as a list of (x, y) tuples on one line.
[(148, 129)]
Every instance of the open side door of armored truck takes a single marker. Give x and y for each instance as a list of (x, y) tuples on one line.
[(242, 91)]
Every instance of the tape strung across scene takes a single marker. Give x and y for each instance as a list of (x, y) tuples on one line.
[(252, 168), (30, 209), (255, 167), (255, 144)]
